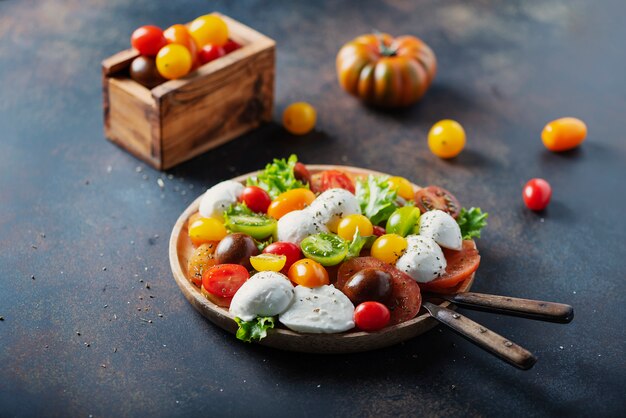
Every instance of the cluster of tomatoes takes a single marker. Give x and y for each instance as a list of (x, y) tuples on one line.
[(178, 50)]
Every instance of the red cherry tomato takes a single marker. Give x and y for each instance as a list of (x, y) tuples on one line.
[(371, 316), (302, 173), (257, 199), (331, 179), (461, 265), (148, 40), (537, 194), (224, 280), (230, 46), (209, 53), (288, 249), (379, 231), (405, 300)]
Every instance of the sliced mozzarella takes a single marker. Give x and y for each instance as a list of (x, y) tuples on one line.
[(334, 204), (423, 260), (297, 225), (442, 228), (219, 197), (265, 294), (319, 310)]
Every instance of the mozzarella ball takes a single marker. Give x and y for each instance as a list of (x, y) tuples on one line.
[(297, 225), (219, 198), (442, 228), (267, 293), (423, 260)]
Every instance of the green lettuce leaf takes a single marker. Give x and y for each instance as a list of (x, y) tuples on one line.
[(278, 177), (376, 197), (471, 221), (254, 330)]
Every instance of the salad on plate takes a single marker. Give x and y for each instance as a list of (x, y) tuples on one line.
[(328, 252)]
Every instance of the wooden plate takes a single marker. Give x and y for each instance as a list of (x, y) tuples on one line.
[(353, 341)]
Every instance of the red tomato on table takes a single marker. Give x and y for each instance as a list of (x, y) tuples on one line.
[(537, 194)]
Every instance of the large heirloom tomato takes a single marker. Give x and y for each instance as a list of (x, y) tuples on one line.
[(386, 71)]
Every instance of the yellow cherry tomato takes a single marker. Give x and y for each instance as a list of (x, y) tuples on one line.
[(403, 186), (209, 29), (309, 273), (348, 225), (201, 259), (299, 118), (446, 138), (564, 134), (289, 201), (268, 262), (388, 248), (206, 230), (173, 61)]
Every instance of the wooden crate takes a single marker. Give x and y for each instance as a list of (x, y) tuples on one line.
[(183, 118)]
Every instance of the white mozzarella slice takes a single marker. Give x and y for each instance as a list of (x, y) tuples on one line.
[(297, 225), (334, 204), (423, 259), (442, 228), (319, 310), (267, 293), (219, 198)]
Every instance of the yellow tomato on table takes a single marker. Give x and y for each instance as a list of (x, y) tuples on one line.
[(446, 138), (299, 118), (564, 134)]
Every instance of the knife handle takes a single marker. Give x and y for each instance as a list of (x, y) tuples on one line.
[(525, 308), (482, 337)]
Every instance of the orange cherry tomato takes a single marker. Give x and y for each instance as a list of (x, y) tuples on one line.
[(308, 273), (564, 134), (201, 259), (289, 201)]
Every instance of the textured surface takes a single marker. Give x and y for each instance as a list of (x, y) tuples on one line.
[(72, 204)]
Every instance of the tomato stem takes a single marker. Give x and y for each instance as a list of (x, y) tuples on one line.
[(385, 51)]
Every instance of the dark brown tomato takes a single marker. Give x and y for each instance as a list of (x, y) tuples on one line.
[(434, 197), (236, 249), (302, 173), (368, 285), (406, 298), (144, 71)]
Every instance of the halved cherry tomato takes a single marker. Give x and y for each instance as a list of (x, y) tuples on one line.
[(288, 249), (231, 46), (268, 262), (331, 179), (308, 273), (223, 302), (209, 53), (405, 300), (289, 201), (206, 230), (302, 173), (179, 34), (201, 259), (403, 186), (461, 265), (148, 40), (434, 197), (349, 224), (371, 316), (224, 280), (257, 199), (537, 194)]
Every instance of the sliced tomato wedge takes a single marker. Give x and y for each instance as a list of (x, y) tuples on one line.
[(461, 265), (406, 298), (224, 280), (434, 197), (331, 179)]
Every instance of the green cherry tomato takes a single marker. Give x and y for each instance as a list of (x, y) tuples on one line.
[(403, 220), (326, 249)]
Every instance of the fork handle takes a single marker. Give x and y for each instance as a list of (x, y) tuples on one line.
[(482, 337), (525, 308)]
